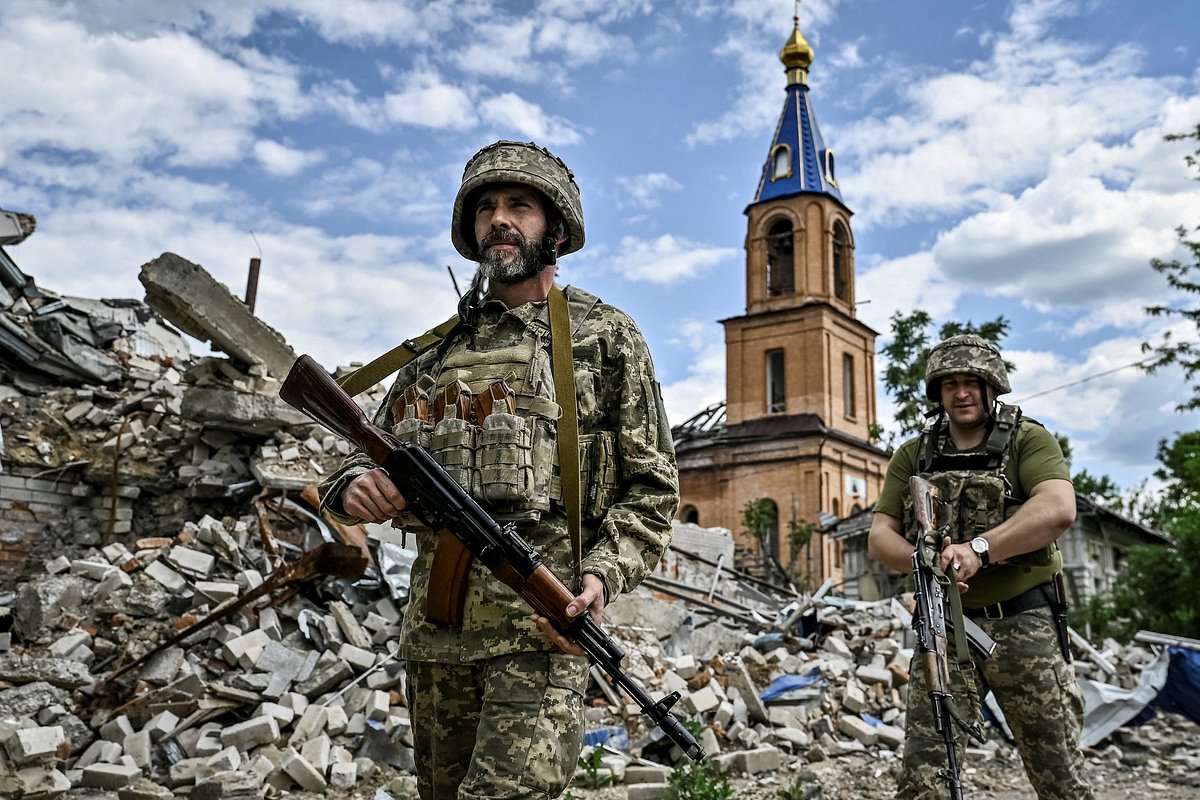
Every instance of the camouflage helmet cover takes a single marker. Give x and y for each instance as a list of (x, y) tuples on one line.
[(516, 162), (967, 353)]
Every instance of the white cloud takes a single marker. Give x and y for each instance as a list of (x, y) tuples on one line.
[(363, 282), (427, 101), (163, 96), (604, 11), (903, 284), (346, 21), (380, 192), (667, 259), (642, 191), (500, 49), (582, 43), (704, 381), (513, 116), (280, 159), (847, 56), (959, 138), (1112, 412)]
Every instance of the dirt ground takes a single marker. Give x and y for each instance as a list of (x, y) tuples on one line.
[(1158, 761)]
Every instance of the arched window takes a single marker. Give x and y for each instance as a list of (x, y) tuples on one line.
[(841, 262), (781, 267), (830, 175), (781, 162), (690, 513)]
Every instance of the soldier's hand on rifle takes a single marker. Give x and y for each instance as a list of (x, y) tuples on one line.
[(591, 600), (960, 561), (373, 497)]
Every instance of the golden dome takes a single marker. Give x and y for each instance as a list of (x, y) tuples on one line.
[(796, 54)]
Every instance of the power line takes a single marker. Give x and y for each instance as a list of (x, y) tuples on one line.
[(1085, 380)]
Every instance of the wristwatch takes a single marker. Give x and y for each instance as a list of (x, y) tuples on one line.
[(980, 546)]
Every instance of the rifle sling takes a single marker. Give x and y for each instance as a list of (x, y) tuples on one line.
[(451, 566), (375, 371), (962, 655), (563, 366)]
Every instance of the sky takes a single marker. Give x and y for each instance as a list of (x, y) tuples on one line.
[(1000, 158)]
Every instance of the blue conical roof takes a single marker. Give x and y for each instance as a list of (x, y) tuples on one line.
[(798, 161)]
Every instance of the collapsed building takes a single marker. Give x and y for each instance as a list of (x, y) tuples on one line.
[(177, 618)]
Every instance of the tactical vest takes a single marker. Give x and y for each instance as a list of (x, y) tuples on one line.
[(507, 458), (975, 496)]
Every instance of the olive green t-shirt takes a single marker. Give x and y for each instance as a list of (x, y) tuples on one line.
[(1036, 456)]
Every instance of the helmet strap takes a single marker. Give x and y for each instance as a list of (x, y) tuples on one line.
[(989, 403), (472, 299), (548, 251)]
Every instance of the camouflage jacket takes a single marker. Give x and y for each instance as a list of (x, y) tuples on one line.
[(617, 397)]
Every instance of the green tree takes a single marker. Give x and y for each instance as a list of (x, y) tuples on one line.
[(759, 518), (1180, 471), (1157, 590), (1180, 275), (907, 354)]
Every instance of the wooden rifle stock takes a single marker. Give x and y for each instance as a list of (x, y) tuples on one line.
[(441, 504), (310, 389)]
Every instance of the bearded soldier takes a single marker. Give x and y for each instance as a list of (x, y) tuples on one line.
[(1006, 497), (542, 402)]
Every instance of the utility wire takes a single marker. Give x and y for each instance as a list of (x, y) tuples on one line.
[(1084, 380)]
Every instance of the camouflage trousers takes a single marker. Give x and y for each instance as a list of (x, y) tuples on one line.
[(506, 727), (1035, 688)]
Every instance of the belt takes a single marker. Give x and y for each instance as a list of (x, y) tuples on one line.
[(1036, 597)]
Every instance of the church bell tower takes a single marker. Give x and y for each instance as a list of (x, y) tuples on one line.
[(800, 367)]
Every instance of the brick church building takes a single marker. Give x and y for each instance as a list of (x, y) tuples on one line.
[(794, 434)]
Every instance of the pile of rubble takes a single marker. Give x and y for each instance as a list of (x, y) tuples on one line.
[(267, 694), (304, 692)]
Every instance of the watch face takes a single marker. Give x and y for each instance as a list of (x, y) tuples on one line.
[(979, 545)]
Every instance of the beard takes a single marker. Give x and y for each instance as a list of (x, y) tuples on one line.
[(525, 264)]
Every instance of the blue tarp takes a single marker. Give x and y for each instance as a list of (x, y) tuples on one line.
[(1181, 694), (790, 683), (1170, 683)]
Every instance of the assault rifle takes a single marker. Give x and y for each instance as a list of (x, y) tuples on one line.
[(442, 504), (936, 596)]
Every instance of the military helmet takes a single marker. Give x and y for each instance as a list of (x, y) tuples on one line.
[(516, 162), (969, 354)]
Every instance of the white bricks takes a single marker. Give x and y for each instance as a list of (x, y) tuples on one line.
[(359, 659), (700, 701), (161, 725), (302, 772), (857, 728), (110, 776), (251, 733), (169, 578), (245, 649), (343, 775), (32, 744), (191, 562)]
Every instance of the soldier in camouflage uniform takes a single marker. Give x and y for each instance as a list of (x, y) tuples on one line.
[(1006, 496), (496, 702)]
